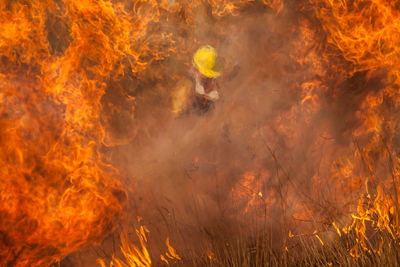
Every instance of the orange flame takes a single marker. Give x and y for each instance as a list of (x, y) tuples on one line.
[(64, 70)]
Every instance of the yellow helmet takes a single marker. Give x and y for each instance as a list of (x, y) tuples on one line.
[(204, 61)]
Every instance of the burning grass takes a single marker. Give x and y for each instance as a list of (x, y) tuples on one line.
[(330, 247)]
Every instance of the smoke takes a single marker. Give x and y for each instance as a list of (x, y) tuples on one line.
[(269, 153), (287, 147)]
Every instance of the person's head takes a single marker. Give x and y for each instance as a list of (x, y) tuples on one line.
[(204, 61)]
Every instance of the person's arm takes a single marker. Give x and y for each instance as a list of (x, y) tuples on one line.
[(213, 95), (199, 88)]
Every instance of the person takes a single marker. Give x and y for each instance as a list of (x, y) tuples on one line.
[(199, 95), (204, 73)]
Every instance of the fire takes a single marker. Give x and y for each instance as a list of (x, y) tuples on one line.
[(249, 192), (171, 254), (134, 256), (55, 186), (58, 59), (82, 80), (370, 46)]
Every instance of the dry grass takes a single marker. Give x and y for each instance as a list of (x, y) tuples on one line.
[(304, 251)]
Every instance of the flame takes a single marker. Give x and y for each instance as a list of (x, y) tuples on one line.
[(58, 59), (134, 256), (249, 192), (55, 186), (368, 45), (139, 256), (69, 72), (170, 254)]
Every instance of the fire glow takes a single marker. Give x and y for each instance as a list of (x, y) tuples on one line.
[(96, 128)]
